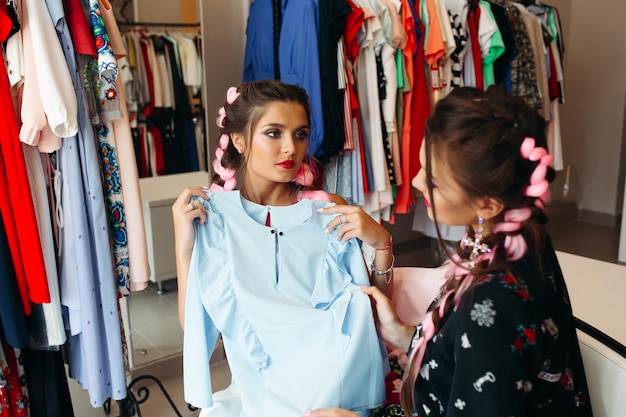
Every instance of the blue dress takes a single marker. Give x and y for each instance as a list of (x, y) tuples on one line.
[(298, 54), (298, 331)]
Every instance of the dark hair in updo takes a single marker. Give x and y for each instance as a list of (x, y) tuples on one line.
[(479, 135), (244, 112)]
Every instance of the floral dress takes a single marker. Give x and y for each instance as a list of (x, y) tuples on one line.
[(13, 403), (509, 348)]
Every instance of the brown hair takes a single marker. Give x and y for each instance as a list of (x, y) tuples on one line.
[(242, 115), (479, 135)]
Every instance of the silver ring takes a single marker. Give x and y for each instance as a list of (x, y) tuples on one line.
[(345, 216), (192, 206)]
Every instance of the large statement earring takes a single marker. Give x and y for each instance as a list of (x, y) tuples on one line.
[(477, 245)]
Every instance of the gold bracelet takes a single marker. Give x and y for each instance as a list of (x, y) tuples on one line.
[(386, 271)]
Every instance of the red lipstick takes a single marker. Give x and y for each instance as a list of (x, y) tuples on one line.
[(287, 164)]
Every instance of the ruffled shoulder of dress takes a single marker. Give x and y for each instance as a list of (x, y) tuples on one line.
[(343, 266), (214, 273)]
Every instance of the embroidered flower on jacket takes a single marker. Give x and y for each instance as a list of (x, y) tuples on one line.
[(459, 403), (111, 94), (465, 343), (568, 379), (525, 336), (512, 283), (425, 372), (483, 314), (581, 399)]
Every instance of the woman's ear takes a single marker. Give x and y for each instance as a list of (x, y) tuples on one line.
[(489, 208), (238, 141)]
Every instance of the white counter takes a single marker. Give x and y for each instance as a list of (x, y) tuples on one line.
[(597, 291)]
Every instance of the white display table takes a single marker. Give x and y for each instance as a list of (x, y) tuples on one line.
[(597, 290)]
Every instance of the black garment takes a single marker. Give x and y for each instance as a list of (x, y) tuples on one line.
[(171, 121), (332, 15), (48, 392), (508, 349), (382, 95), (12, 319), (501, 66)]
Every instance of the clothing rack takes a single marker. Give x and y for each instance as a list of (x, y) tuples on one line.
[(162, 24), (130, 406)]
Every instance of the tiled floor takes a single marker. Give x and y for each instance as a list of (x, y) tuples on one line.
[(150, 341), (157, 334)]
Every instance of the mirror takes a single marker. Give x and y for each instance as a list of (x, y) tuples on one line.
[(152, 330), (155, 334)]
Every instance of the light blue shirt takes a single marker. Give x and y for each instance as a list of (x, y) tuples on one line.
[(297, 329)]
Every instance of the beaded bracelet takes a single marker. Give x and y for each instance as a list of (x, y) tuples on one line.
[(386, 271)]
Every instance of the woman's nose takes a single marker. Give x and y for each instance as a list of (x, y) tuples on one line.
[(419, 181), (289, 145)]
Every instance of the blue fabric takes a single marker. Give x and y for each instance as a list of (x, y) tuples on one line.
[(297, 329), (12, 319), (299, 59), (88, 286)]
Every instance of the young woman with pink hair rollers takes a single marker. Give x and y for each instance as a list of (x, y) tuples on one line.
[(276, 268), (500, 338)]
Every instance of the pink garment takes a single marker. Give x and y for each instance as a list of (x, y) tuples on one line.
[(115, 37), (33, 116), (57, 89)]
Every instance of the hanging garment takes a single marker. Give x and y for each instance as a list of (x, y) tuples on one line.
[(48, 390), (54, 79), (13, 403), (404, 196), (88, 286), (139, 268), (332, 15), (13, 324), (16, 203), (298, 37)]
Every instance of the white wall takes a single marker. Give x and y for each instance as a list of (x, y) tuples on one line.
[(157, 11), (223, 44), (592, 118)]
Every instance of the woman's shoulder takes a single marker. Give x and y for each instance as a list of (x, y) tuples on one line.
[(337, 199)]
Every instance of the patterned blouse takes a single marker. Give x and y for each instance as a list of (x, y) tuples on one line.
[(508, 349)]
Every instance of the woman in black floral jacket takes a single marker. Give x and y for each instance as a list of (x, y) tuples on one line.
[(500, 339)]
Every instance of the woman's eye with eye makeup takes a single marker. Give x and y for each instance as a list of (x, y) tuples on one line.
[(273, 133), (302, 134)]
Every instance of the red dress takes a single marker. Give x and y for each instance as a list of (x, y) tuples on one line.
[(16, 203)]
